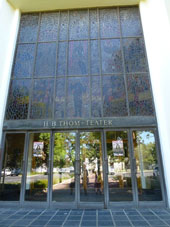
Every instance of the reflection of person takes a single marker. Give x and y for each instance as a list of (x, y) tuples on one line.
[(98, 183), (85, 179), (72, 186), (78, 90)]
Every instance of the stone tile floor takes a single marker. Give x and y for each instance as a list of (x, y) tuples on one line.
[(84, 217)]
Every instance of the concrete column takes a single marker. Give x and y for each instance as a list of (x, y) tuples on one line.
[(156, 26), (9, 23)]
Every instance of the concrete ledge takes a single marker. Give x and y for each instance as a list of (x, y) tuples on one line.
[(45, 5)]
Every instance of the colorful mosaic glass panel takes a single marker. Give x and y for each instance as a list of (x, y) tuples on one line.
[(45, 59), (114, 98), (109, 26), (28, 28), (63, 26), (94, 25), (24, 61), (42, 100), (96, 100), (60, 98), (18, 100), (79, 24), (78, 58), (95, 59), (111, 56), (62, 58), (49, 27), (134, 53), (139, 95), (78, 97), (130, 22)]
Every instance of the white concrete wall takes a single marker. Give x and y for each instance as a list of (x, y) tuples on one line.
[(156, 26), (9, 23)]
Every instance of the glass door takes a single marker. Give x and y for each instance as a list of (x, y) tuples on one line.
[(36, 187), (91, 167), (119, 175), (12, 167), (148, 174), (63, 167)]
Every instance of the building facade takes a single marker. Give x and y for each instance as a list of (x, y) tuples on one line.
[(84, 117)]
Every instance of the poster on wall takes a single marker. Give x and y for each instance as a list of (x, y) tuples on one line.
[(38, 149), (117, 146)]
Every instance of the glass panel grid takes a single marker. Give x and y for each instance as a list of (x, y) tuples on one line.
[(90, 43)]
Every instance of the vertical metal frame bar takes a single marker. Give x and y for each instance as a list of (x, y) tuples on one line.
[(2, 152), (33, 73), (133, 167), (105, 168), (160, 165), (67, 63), (123, 62), (49, 170), (89, 64), (55, 76), (100, 62), (25, 157), (77, 169)]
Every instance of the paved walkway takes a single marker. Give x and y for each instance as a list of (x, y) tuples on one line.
[(78, 217)]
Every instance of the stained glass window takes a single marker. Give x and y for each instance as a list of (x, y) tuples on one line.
[(114, 98), (18, 100), (24, 62), (139, 94), (78, 97), (42, 100), (80, 63)]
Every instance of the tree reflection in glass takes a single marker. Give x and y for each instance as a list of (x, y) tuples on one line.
[(119, 172), (64, 167), (37, 168), (78, 97), (91, 178), (148, 172)]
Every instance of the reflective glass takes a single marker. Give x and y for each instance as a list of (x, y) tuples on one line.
[(91, 178), (96, 96), (63, 26), (18, 100), (62, 58), (78, 28), (119, 177), (139, 95), (78, 97), (28, 28), (147, 168), (23, 66), (64, 167), (49, 27), (42, 100), (130, 22), (12, 167), (37, 168), (134, 54), (94, 25), (45, 59), (114, 97), (111, 56), (60, 98), (95, 57), (109, 26), (78, 58)]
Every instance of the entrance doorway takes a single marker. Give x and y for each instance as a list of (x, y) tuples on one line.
[(82, 168)]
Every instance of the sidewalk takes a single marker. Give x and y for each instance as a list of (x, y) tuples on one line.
[(83, 217)]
